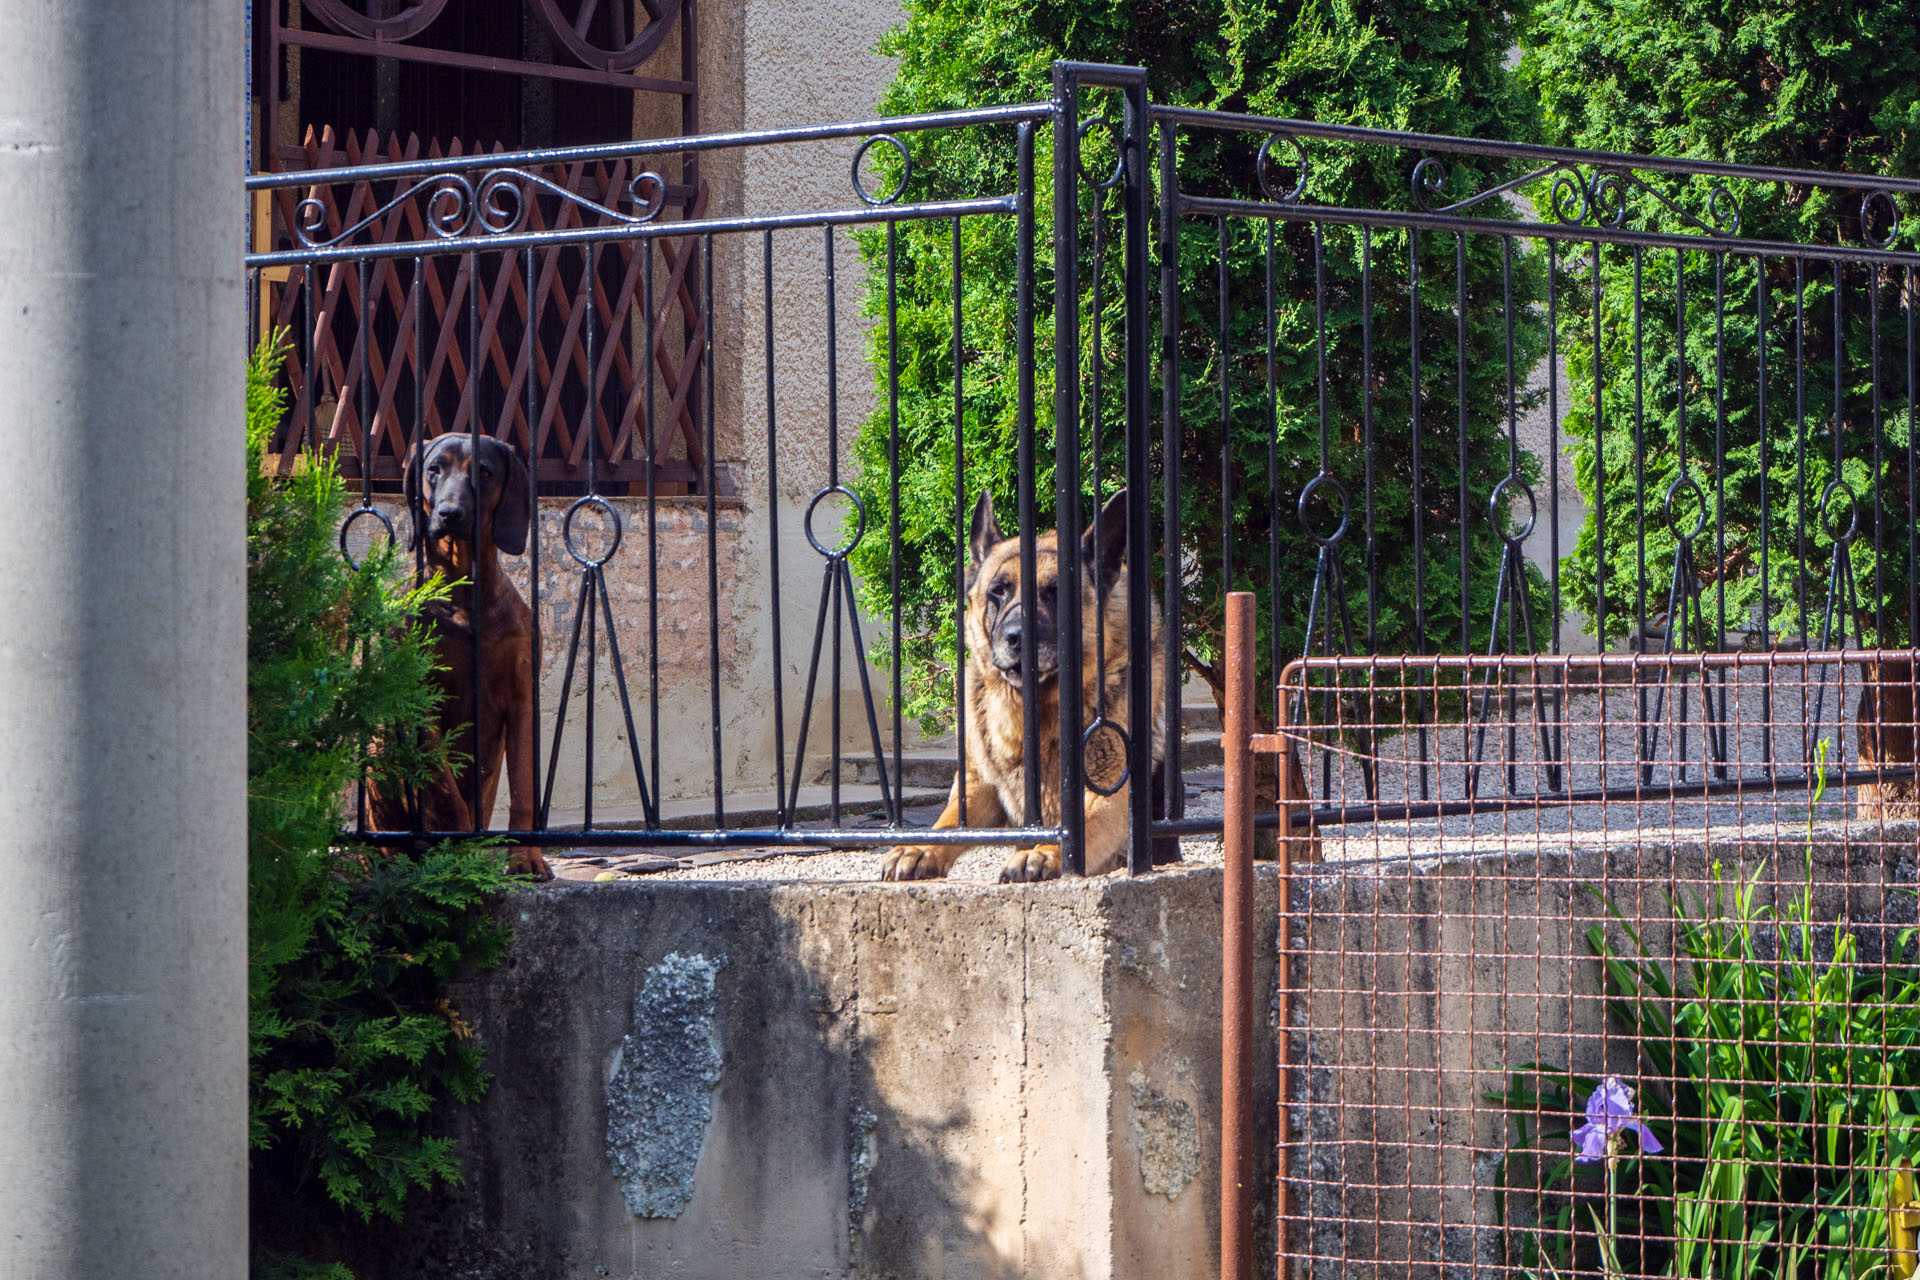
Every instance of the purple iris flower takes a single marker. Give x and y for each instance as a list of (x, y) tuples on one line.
[(1610, 1111)]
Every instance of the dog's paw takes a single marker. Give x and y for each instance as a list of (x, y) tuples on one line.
[(529, 861), (1042, 862), (914, 862)]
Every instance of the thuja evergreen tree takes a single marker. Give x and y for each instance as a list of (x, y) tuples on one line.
[(1821, 85), (350, 1039), (1435, 65)]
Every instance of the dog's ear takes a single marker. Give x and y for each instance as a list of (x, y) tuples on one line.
[(985, 533), (410, 486), (513, 514), (1101, 556)]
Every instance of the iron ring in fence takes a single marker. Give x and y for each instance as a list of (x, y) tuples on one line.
[(1265, 161), (1112, 180), (1312, 487), (1686, 481), (346, 526), (566, 531), (1879, 201), (859, 528), (1497, 508), (1096, 763), (1827, 510), (906, 170)]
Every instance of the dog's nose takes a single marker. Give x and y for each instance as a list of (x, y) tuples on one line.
[(1010, 630), (451, 512)]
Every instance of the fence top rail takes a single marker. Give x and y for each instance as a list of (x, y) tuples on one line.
[(1573, 232), (1240, 122), (972, 116), (1562, 663), (507, 241)]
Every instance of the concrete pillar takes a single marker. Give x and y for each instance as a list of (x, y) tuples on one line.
[(122, 641)]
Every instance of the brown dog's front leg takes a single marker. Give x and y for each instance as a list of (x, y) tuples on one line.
[(932, 861), (521, 746)]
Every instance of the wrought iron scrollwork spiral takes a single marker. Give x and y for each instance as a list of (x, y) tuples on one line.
[(495, 205), (1568, 197), (1265, 163), (1604, 196), (449, 210)]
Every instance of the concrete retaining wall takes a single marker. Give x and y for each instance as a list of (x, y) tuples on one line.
[(813, 1080)]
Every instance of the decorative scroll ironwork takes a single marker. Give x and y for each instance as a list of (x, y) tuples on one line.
[(837, 598), (1597, 197), (495, 205), (330, 300), (1686, 632), (1512, 603), (593, 591)]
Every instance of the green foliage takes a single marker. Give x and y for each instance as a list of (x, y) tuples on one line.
[(1819, 86), (1431, 65), (1791, 1096), (351, 1043)]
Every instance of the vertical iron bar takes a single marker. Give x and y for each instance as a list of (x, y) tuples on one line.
[(1766, 510), (366, 387), (653, 538), (1913, 469), (1029, 632), (833, 480), (962, 557), (1879, 519), (1224, 353), (1273, 464), (773, 533), (1139, 694), (1366, 431), (528, 393), (893, 502), (1066, 461), (1460, 374), (1139, 589), (1800, 443), (1419, 502), (713, 539), (477, 590), (592, 582)]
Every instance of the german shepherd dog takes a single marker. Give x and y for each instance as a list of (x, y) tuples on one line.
[(995, 782)]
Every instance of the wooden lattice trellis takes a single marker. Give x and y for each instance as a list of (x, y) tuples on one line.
[(377, 335)]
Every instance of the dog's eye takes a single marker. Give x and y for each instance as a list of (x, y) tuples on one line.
[(999, 590)]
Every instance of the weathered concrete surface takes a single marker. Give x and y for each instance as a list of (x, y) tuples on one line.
[(123, 658), (1425, 984), (938, 1081)]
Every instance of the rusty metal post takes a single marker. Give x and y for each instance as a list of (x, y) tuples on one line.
[(1236, 951), (1283, 973)]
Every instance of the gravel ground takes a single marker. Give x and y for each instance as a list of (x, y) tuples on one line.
[(1598, 747)]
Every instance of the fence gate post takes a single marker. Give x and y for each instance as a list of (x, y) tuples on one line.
[(123, 956)]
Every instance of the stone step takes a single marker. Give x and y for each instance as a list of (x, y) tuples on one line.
[(925, 768), (1199, 715)]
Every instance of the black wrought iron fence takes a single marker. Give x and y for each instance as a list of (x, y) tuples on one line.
[(1422, 395), (552, 330)]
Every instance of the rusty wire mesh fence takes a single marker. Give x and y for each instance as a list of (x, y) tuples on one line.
[(1607, 970)]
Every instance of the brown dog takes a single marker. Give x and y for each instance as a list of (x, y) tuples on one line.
[(996, 735), (469, 505)]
